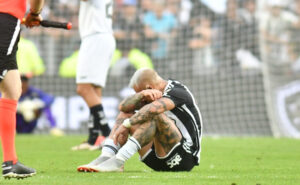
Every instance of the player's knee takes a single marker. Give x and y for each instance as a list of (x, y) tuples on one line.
[(83, 90), (12, 96), (12, 93), (160, 118)]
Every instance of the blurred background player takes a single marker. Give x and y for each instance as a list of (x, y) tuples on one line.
[(34, 103), (96, 50), (11, 13)]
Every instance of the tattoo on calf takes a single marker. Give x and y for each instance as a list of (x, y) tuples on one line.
[(168, 137), (145, 133)]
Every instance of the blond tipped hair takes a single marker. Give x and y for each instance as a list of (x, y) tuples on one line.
[(143, 76)]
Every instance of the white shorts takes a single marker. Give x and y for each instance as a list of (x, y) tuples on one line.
[(94, 59)]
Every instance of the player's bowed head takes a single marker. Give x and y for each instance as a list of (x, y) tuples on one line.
[(149, 83)]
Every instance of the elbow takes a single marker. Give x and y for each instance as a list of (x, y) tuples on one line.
[(153, 112), (121, 108)]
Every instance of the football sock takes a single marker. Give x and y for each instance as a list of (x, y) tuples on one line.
[(109, 148), (99, 123), (93, 133), (129, 149), (8, 110)]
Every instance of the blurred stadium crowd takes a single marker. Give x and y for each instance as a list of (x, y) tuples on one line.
[(217, 47), (170, 31)]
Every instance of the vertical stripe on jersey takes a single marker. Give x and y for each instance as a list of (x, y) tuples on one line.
[(200, 117), (186, 109), (14, 38)]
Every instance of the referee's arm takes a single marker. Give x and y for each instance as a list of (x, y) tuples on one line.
[(36, 6), (34, 18)]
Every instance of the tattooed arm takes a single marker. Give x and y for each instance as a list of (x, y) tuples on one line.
[(149, 111), (122, 138), (132, 103), (138, 100)]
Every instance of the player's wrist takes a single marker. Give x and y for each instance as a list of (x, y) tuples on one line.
[(35, 13), (126, 123)]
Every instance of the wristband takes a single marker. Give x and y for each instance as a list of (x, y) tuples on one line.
[(126, 123), (34, 14)]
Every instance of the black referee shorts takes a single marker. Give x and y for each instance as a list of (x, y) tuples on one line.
[(9, 38), (179, 159)]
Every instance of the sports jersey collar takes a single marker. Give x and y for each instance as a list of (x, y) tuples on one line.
[(167, 86)]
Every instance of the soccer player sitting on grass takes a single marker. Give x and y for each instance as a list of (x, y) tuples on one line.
[(165, 126)]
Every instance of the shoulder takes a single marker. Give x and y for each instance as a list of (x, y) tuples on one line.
[(174, 88), (177, 92)]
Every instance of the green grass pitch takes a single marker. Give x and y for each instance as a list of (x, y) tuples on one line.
[(228, 161)]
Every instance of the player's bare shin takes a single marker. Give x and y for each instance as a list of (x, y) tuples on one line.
[(168, 134), (145, 133)]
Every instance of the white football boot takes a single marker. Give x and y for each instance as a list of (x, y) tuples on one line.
[(111, 165), (87, 167)]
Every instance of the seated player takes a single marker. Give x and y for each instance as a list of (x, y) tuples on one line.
[(32, 104), (166, 130)]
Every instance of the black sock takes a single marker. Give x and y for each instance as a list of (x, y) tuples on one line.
[(99, 124)]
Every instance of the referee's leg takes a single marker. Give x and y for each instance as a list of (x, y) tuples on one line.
[(10, 86)]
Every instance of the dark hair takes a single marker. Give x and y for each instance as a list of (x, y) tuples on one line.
[(24, 78)]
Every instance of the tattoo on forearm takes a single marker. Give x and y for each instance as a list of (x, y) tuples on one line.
[(164, 105), (132, 103), (148, 112)]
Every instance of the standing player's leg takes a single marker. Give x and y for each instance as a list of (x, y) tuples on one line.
[(94, 59), (10, 87), (92, 96), (104, 127)]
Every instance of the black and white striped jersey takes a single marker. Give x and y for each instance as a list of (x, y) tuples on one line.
[(187, 116)]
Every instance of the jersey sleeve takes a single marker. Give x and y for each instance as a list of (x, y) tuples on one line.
[(177, 95)]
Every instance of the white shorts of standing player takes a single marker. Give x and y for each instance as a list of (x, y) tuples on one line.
[(94, 59)]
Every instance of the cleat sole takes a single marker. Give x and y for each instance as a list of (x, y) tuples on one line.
[(17, 176), (84, 169)]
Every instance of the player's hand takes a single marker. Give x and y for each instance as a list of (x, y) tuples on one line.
[(150, 95), (121, 135), (33, 20)]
